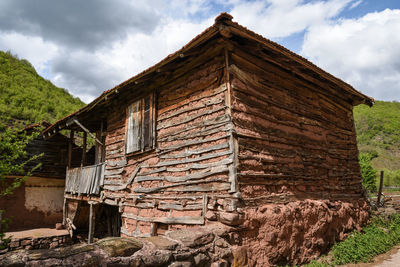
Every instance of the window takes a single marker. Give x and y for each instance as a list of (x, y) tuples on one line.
[(140, 133)]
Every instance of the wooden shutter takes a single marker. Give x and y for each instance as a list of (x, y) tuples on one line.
[(133, 139), (147, 122)]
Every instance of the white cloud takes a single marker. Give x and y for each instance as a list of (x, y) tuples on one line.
[(86, 68), (37, 51), (355, 4), (364, 52), (281, 18)]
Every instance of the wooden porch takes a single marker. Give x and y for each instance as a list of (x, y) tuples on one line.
[(85, 180)]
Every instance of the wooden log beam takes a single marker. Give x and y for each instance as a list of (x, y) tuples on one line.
[(84, 145), (70, 144), (86, 130), (167, 220)]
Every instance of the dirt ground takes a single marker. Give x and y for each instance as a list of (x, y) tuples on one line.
[(39, 232), (389, 259)]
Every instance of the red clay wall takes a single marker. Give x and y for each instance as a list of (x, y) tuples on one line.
[(298, 163), (193, 158), (37, 203)]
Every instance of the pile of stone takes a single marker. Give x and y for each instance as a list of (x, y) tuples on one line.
[(189, 247)]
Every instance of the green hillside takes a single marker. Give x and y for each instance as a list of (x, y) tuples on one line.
[(26, 96), (378, 133)]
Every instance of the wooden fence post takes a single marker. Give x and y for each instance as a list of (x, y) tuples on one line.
[(378, 201)]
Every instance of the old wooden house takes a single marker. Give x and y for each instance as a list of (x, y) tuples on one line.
[(38, 202), (231, 129)]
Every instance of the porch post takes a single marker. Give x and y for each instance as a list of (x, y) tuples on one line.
[(71, 141), (84, 149), (92, 216)]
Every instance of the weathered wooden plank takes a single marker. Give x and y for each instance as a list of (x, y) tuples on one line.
[(116, 163), (190, 108), (178, 206), (189, 153), (187, 119), (194, 166), (223, 119), (199, 133), (112, 182), (193, 176), (120, 170), (202, 188), (190, 160), (167, 220), (186, 184), (124, 185)]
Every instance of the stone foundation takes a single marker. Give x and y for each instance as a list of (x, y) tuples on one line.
[(271, 234), (297, 232), (40, 242), (197, 247)]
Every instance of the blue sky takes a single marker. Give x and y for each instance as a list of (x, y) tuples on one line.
[(85, 48)]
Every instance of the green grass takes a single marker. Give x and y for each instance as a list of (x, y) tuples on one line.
[(25, 96), (381, 235), (378, 132)]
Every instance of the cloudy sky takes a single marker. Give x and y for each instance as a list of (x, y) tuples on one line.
[(91, 46)]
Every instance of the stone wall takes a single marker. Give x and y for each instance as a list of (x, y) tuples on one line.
[(30, 243), (299, 231), (198, 247)]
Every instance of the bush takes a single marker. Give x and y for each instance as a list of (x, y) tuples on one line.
[(368, 173)]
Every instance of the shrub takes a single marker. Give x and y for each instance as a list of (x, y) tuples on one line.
[(368, 173)]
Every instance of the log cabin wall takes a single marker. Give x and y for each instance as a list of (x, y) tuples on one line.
[(296, 138), (193, 159), (298, 170), (54, 159)]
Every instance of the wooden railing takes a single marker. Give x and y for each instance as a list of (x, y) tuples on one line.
[(85, 180)]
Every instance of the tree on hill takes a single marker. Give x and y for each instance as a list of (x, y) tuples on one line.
[(13, 159), (26, 96), (378, 130)]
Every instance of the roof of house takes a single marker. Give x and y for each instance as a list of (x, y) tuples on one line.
[(223, 23)]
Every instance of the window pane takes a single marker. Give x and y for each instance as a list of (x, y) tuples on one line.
[(134, 122)]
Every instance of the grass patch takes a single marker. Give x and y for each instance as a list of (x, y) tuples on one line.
[(381, 235)]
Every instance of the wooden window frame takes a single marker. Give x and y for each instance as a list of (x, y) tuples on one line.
[(141, 146)]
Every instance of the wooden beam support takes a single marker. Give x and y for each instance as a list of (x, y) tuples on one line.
[(84, 145), (70, 144), (86, 130), (92, 217), (153, 228)]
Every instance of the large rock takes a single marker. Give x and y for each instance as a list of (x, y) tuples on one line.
[(192, 237), (162, 242), (157, 260), (13, 258), (232, 219), (119, 246), (59, 253)]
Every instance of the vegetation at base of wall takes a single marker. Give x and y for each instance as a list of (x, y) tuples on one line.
[(26, 96), (378, 132), (381, 235)]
